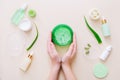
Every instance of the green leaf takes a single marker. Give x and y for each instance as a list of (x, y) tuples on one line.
[(31, 45), (86, 48), (89, 45), (94, 33), (87, 52)]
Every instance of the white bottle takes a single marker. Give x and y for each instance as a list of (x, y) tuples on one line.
[(106, 53), (26, 63)]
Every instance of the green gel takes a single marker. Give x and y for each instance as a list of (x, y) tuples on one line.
[(32, 13), (62, 35)]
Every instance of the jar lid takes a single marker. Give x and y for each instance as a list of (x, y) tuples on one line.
[(62, 35)]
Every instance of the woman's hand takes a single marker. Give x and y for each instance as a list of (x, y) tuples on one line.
[(55, 58), (67, 60), (68, 57)]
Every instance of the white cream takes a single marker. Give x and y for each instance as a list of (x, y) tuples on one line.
[(25, 25)]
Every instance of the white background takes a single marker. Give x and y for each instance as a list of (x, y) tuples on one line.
[(50, 13)]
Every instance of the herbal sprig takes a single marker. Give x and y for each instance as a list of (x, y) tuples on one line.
[(87, 49)]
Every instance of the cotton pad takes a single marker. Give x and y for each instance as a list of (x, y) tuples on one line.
[(94, 14), (62, 35), (25, 25), (100, 70)]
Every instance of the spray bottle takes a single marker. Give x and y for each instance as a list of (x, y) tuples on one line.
[(19, 14)]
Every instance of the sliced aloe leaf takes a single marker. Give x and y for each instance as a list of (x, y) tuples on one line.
[(89, 45), (94, 33), (87, 52), (86, 48), (33, 42)]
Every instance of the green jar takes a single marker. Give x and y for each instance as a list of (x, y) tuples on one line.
[(62, 35)]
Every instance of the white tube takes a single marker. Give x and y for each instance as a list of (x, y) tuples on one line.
[(106, 53)]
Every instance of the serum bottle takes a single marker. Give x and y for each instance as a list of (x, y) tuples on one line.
[(105, 27), (26, 63), (19, 14)]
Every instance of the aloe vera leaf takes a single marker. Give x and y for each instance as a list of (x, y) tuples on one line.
[(31, 45), (94, 33)]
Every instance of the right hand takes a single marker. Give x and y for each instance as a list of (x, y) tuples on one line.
[(68, 57)]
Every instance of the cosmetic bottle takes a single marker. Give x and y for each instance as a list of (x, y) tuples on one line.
[(26, 62), (106, 53), (19, 14), (105, 28)]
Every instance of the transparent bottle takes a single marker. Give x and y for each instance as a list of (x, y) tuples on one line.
[(19, 14), (105, 28)]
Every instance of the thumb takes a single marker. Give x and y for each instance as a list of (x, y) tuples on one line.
[(70, 50)]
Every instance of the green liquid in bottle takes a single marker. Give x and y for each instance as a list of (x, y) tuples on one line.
[(18, 15)]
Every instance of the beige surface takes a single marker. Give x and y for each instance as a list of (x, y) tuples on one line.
[(50, 13)]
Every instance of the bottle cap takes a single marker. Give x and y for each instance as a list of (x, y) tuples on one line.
[(25, 25), (30, 54), (94, 14), (103, 20), (109, 48), (62, 35)]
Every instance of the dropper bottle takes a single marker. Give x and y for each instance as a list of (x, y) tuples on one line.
[(26, 62), (105, 27), (19, 14)]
